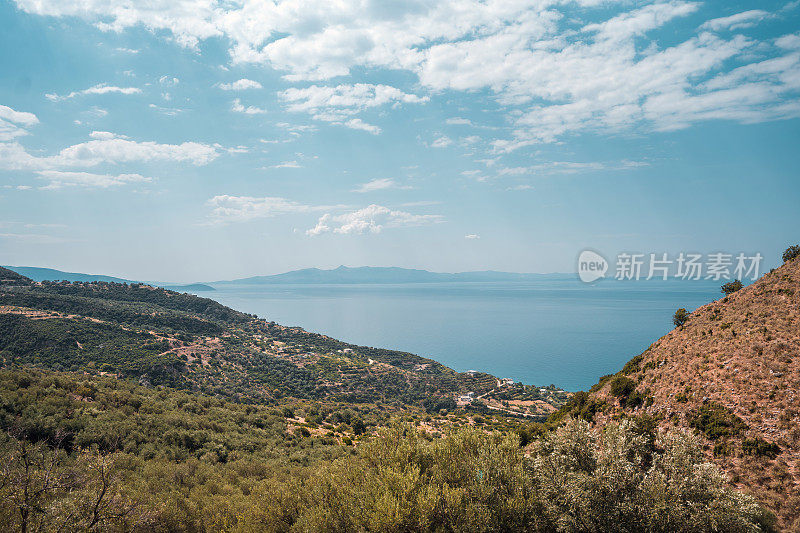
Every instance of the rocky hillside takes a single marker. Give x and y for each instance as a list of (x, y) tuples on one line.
[(732, 372)]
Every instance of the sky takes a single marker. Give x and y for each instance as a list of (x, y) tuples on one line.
[(198, 140)]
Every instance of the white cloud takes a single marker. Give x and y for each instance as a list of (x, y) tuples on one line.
[(106, 135), (227, 208), (18, 117), (738, 21), (58, 179), (122, 150), (169, 111), (106, 148), (358, 124), (101, 88), (554, 77), (296, 129), (458, 121), (13, 123), (640, 21), (380, 184), (442, 142), (338, 104), (240, 85), (287, 164), (345, 99), (168, 81), (789, 42), (568, 167), (472, 237), (371, 219), (249, 110)]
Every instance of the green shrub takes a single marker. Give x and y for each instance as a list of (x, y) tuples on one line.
[(632, 365), (791, 252), (680, 317), (622, 387), (715, 421), (576, 479), (760, 448), (731, 287), (602, 381), (581, 406)]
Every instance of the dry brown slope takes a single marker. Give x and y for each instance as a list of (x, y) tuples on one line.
[(741, 352)]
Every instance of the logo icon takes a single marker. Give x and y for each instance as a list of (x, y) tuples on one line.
[(591, 266)]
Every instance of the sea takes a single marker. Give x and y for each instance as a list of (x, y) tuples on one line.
[(549, 331)]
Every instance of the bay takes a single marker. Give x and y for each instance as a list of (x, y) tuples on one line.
[(552, 331)]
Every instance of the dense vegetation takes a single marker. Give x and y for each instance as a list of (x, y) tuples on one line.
[(164, 337), (64, 344), (132, 408), (85, 453)]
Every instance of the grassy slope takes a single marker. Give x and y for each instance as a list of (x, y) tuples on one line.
[(733, 373)]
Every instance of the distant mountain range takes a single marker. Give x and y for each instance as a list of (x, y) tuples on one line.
[(348, 275), (342, 275)]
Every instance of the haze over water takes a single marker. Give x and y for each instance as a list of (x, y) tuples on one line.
[(551, 331)]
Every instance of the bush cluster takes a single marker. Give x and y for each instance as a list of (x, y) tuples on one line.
[(791, 253)]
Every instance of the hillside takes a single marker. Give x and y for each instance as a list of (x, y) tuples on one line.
[(732, 372), (127, 407), (162, 337), (50, 274)]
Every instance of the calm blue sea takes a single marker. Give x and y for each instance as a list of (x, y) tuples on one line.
[(549, 331)]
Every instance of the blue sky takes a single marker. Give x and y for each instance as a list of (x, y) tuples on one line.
[(199, 140)]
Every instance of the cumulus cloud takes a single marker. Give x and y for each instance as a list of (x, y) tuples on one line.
[(18, 117), (101, 88), (13, 123), (555, 77), (240, 85), (106, 148), (380, 184), (371, 219), (472, 236), (122, 150), (238, 107), (358, 124)]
